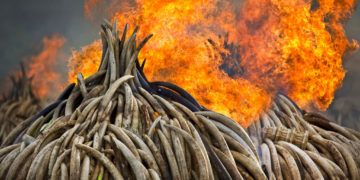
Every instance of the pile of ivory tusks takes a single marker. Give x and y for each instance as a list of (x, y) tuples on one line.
[(17, 105), (294, 144), (117, 125)]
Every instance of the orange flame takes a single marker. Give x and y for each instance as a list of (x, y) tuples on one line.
[(89, 63), (295, 47), (43, 67)]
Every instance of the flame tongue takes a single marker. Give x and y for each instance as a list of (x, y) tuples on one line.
[(291, 46)]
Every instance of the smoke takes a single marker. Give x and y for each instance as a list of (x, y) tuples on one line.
[(345, 108), (25, 23), (97, 10)]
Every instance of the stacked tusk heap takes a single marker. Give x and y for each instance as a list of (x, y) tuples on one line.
[(116, 124), (17, 105), (294, 144)]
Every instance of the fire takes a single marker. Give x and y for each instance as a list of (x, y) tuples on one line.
[(89, 63), (43, 67), (295, 47)]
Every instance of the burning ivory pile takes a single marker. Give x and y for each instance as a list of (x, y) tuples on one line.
[(293, 144), (18, 105), (116, 124)]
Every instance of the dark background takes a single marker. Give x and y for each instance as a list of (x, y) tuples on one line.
[(23, 24)]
